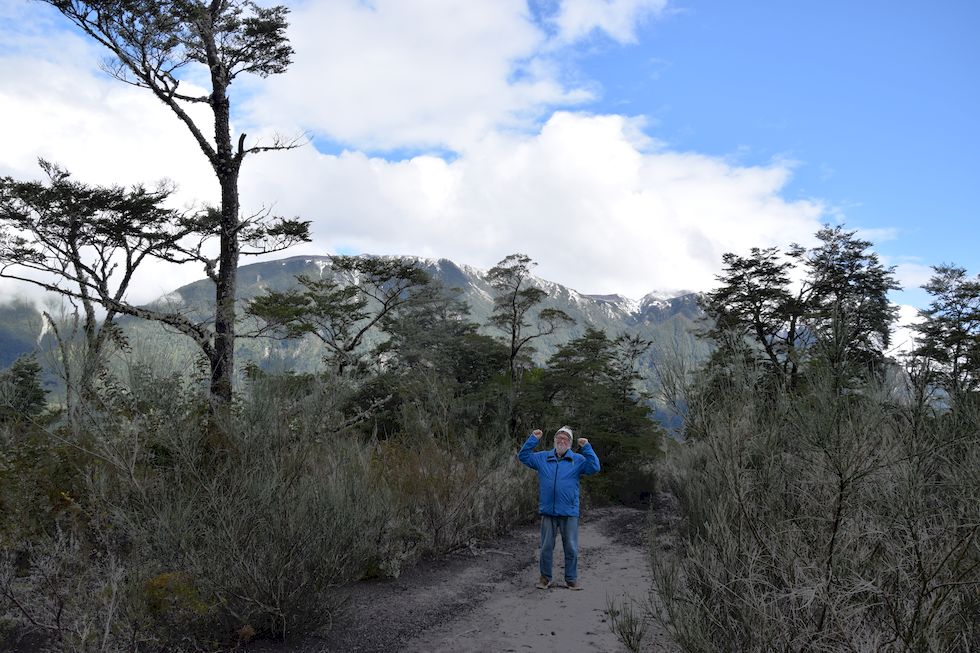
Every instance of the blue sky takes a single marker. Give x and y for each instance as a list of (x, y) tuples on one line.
[(876, 101), (623, 144)]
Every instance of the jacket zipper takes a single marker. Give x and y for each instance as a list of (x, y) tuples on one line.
[(554, 489)]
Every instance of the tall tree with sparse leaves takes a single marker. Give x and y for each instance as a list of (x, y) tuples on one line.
[(513, 314), (152, 44), (513, 308)]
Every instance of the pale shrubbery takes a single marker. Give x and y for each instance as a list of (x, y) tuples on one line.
[(180, 536), (826, 519)]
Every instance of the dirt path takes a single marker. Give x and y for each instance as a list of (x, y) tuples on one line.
[(485, 599)]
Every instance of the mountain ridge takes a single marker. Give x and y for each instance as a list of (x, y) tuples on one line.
[(666, 319)]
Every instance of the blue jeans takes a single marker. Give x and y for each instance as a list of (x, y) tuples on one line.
[(568, 526)]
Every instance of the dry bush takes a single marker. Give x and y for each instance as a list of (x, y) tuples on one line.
[(449, 483), (208, 543), (183, 536), (447, 494), (829, 519), (628, 622)]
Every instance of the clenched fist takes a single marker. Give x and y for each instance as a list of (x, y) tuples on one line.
[(583, 441), (536, 433)]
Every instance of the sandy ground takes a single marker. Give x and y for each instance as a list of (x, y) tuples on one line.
[(519, 617), (485, 600)]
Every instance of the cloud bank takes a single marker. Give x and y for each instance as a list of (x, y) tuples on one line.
[(585, 197), (599, 203)]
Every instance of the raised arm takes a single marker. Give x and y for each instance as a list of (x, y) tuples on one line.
[(526, 454), (591, 464)]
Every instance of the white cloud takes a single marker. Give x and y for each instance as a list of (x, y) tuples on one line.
[(600, 205), (585, 197), (57, 105), (903, 335), (619, 19), (392, 73), (912, 275)]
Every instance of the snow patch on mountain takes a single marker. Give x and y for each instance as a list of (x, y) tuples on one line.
[(172, 298), (45, 329), (664, 295), (321, 265), (625, 304), (471, 271)]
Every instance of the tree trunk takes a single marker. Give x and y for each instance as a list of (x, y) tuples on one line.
[(223, 363), (227, 168)]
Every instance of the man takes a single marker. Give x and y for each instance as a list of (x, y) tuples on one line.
[(558, 491)]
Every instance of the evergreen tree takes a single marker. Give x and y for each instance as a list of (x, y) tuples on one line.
[(22, 395), (949, 334), (436, 334), (589, 383)]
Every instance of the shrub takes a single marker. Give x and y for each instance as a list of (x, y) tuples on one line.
[(179, 535), (826, 519)]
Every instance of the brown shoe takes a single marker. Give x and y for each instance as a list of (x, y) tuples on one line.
[(572, 585), (543, 583)]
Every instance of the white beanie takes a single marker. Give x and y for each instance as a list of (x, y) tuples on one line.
[(567, 431)]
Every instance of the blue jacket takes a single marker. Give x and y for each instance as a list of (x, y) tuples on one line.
[(558, 477)]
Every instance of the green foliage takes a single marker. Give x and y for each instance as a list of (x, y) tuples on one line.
[(949, 334), (839, 312), (589, 383), (22, 394), (343, 309)]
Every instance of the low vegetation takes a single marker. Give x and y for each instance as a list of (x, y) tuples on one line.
[(828, 496)]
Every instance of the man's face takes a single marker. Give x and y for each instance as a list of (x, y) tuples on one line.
[(562, 442)]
